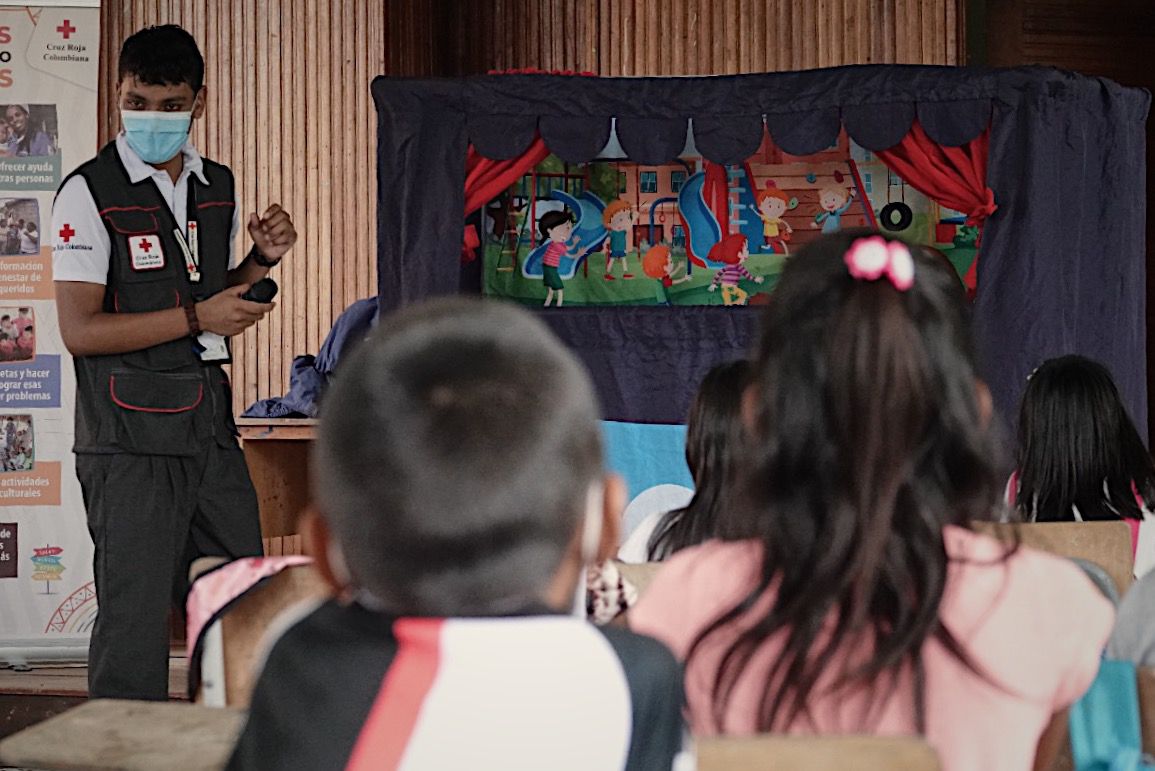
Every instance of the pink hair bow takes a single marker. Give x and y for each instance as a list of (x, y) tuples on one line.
[(871, 258)]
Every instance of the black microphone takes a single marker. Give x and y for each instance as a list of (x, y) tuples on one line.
[(261, 292)]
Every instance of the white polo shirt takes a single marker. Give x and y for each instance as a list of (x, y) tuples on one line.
[(80, 244)]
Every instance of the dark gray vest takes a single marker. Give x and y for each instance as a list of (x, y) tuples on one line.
[(161, 400)]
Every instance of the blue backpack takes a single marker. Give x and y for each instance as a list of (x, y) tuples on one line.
[(1105, 733)]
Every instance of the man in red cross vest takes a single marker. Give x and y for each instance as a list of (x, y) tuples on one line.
[(148, 292)]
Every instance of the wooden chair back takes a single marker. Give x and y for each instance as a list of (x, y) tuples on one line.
[(1106, 544), (639, 574), (245, 625), (816, 753)]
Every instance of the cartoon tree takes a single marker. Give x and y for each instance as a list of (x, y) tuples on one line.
[(966, 236), (551, 164), (605, 181)]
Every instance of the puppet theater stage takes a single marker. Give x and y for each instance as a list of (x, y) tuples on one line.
[(1044, 168)]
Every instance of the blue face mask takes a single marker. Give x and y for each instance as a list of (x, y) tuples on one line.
[(156, 136)]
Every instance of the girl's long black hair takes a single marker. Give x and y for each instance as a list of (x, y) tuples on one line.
[(868, 439), (1078, 448), (713, 441)]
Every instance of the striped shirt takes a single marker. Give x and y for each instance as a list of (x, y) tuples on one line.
[(731, 275), (553, 254), (351, 688)]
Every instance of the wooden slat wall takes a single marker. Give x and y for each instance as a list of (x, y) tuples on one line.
[(671, 37), (1112, 38), (289, 110)]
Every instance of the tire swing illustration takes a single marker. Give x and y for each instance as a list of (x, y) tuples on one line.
[(896, 216)]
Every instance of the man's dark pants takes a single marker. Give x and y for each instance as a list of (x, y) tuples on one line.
[(150, 516)]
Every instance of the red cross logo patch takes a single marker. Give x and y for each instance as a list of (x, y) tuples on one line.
[(146, 252)]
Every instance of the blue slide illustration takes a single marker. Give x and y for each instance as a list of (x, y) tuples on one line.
[(702, 228), (588, 208)]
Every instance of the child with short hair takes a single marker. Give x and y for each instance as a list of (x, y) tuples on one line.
[(848, 593), (772, 204), (461, 493), (732, 251), (834, 200), (658, 263), (617, 217), (557, 228)]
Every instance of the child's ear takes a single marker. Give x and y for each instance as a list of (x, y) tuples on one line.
[(317, 539), (613, 506)]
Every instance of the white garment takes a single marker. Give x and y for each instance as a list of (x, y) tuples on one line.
[(636, 548), (29, 243), (80, 243)]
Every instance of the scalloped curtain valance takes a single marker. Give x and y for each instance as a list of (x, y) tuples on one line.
[(727, 139)]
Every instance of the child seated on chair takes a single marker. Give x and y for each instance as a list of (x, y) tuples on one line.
[(1080, 457), (847, 592), (460, 495)]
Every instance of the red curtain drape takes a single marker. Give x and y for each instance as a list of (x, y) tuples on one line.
[(485, 179), (955, 177)]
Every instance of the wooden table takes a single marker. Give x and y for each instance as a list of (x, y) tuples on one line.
[(130, 735), (277, 451)]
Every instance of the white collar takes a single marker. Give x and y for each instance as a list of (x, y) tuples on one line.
[(138, 170)]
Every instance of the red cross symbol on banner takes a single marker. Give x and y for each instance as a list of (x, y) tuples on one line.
[(192, 226), (66, 232), (66, 29), (145, 245)]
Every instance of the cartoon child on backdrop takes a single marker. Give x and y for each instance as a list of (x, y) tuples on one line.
[(772, 204), (835, 201), (557, 227), (618, 217), (659, 263), (732, 251)]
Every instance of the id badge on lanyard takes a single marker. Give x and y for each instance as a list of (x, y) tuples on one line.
[(190, 247), (209, 345), (189, 238)]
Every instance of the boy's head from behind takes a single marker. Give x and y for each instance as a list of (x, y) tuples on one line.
[(456, 456)]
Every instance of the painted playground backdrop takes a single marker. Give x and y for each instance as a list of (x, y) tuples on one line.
[(676, 207)]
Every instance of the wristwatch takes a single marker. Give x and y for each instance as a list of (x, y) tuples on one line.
[(259, 258)]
